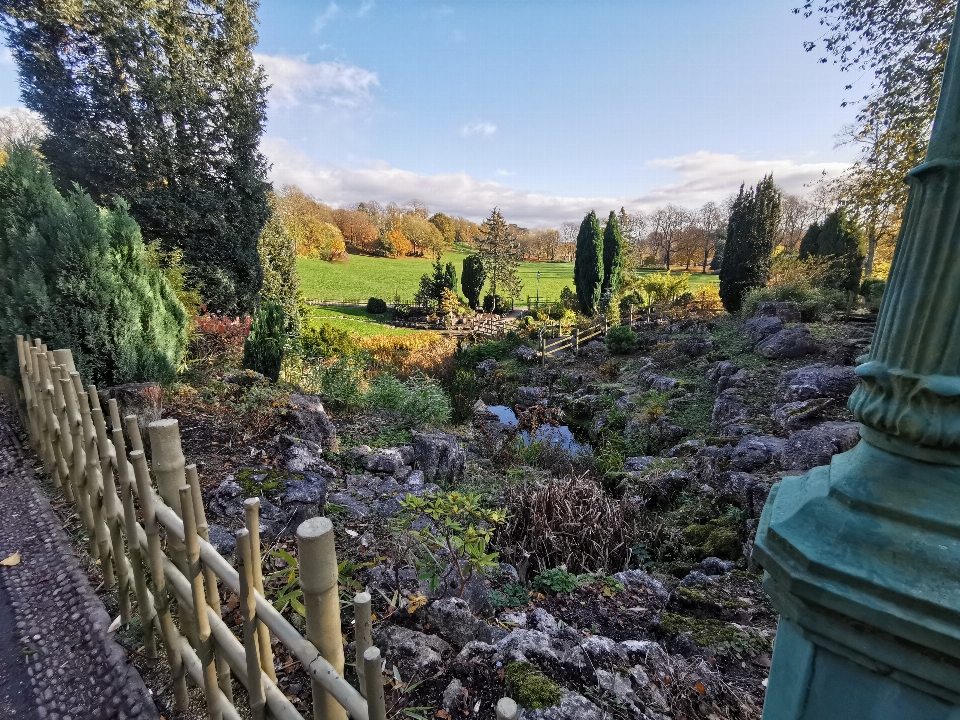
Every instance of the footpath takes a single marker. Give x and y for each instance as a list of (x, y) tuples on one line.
[(57, 660)]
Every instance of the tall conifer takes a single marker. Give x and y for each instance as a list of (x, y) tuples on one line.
[(612, 255), (588, 266)]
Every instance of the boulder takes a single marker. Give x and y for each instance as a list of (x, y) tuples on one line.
[(485, 367), (715, 566), (223, 541), (792, 342), (304, 456), (737, 380), (722, 369), (303, 498), (145, 400), (728, 409), (308, 421), (526, 396), (818, 381), (695, 578), (384, 461), (414, 652), (227, 499), (788, 312), (800, 414), (755, 451), (760, 328), (659, 383), (640, 582), (693, 347), (594, 350), (440, 457), (572, 706), (453, 620), (533, 646), (807, 449), (638, 464), (524, 354), (688, 448), (746, 491)]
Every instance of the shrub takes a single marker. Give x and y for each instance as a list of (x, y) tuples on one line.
[(376, 306), (418, 398), (326, 340), (216, 334), (801, 281), (872, 290), (556, 580), (406, 355), (278, 258), (488, 302), (78, 276), (263, 348), (621, 340)]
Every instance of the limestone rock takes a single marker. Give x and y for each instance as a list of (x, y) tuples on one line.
[(755, 451), (526, 396), (760, 328), (384, 461), (793, 342), (308, 421), (639, 581), (807, 449), (414, 652), (573, 706), (798, 415), (788, 312), (524, 354), (728, 409), (818, 381), (439, 456)]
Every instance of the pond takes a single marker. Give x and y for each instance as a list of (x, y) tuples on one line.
[(560, 435)]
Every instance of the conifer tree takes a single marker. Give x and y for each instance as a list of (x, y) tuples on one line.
[(613, 261), (78, 276), (751, 237), (499, 253), (472, 279), (278, 258), (588, 265), (160, 104), (808, 243), (839, 241)]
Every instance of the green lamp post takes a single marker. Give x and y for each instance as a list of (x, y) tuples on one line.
[(862, 557)]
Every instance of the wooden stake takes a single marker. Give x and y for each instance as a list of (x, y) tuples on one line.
[(64, 434), (363, 632), (251, 512), (248, 609), (94, 484), (373, 679), (317, 555), (507, 709), (78, 469)]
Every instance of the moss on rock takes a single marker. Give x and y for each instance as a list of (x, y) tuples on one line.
[(530, 687)]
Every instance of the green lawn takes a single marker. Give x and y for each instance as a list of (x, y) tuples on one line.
[(363, 277), (354, 320)]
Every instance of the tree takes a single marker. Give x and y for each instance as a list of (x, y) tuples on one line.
[(21, 127), (433, 284), (310, 224), (163, 105), (472, 279), (278, 258), (394, 243), (588, 267), (713, 227), (359, 233), (263, 348), (798, 212), (838, 241), (612, 255), (78, 276), (808, 243), (446, 226), (500, 258), (667, 226), (751, 234), (423, 235)]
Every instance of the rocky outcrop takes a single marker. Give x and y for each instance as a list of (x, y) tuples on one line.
[(793, 342), (799, 415), (439, 455), (308, 420), (760, 328), (755, 451), (526, 396), (809, 448), (818, 381)]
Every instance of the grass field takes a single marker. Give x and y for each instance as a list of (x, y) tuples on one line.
[(354, 320), (363, 277)]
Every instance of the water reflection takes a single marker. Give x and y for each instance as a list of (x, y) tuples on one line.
[(560, 435)]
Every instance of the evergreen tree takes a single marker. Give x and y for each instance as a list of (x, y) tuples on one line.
[(433, 284), (499, 253), (808, 243), (472, 279), (613, 261), (751, 237), (160, 104), (79, 277), (278, 258), (588, 265), (263, 348), (839, 241)]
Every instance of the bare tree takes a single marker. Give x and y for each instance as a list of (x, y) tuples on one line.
[(21, 126), (667, 225), (797, 215), (712, 221)]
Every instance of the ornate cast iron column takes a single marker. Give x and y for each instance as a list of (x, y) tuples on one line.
[(862, 557)]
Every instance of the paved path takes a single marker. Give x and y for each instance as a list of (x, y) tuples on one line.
[(57, 661)]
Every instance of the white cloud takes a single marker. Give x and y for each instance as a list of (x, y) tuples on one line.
[(484, 129), (298, 82), (504, 173), (703, 177), (6, 57), (324, 18)]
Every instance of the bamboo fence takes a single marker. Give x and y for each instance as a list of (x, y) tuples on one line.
[(104, 472)]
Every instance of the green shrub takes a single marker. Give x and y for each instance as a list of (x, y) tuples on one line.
[(325, 340), (621, 340), (418, 398), (529, 687), (872, 290), (556, 580), (488, 302), (339, 382), (263, 349), (513, 595), (376, 306), (78, 276), (278, 258)]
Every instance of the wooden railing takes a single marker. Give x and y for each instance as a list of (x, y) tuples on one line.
[(91, 463)]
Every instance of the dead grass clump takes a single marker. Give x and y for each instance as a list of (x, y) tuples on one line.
[(428, 353), (569, 522)]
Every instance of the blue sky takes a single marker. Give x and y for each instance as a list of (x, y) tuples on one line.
[(543, 108)]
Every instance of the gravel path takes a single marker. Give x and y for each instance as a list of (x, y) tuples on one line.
[(57, 661)]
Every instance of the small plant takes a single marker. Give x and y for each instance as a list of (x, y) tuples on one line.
[(263, 349), (513, 595), (621, 340), (376, 306), (418, 398), (556, 580), (461, 527), (529, 687), (325, 340), (290, 593)]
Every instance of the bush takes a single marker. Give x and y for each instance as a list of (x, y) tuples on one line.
[(801, 281), (325, 340), (263, 349), (405, 355), (78, 276), (621, 340), (376, 306), (278, 258), (872, 290), (418, 398), (488, 303)]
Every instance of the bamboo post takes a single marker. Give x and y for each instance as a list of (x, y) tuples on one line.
[(145, 607), (363, 632), (576, 341), (507, 709), (251, 513), (631, 314), (93, 486), (46, 448), (59, 464), (210, 582), (64, 358), (161, 598), (64, 434), (25, 382), (318, 579), (373, 681), (132, 424), (78, 470), (111, 509), (195, 576), (248, 609)]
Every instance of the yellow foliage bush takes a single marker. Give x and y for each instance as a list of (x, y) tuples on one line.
[(429, 353)]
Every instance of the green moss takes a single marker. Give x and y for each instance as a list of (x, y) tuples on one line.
[(260, 482), (699, 598), (716, 538), (531, 688), (705, 632)]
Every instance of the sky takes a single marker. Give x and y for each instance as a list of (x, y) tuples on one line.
[(546, 109)]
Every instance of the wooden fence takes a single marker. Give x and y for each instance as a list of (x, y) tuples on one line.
[(91, 463)]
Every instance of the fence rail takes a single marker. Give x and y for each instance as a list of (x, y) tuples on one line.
[(89, 463)]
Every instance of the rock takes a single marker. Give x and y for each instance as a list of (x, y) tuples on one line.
[(573, 706), (223, 540), (485, 367), (414, 652), (308, 421), (227, 499), (807, 449), (617, 684), (798, 415), (688, 448), (715, 566), (406, 454), (524, 354), (788, 312), (403, 472), (304, 456), (454, 621), (790, 343), (521, 645), (452, 696), (728, 410), (737, 380), (664, 433), (755, 451), (359, 453), (722, 369), (639, 581), (638, 464), (649, 652), (543, 621), (415, 478), (695, 578), (746, 491), (760, 328), (818, 381), (145, 400), (603, 651), (439, 456), (517, 619), (693, 347), (594, 350), (384, 461), (303, 498), (354, 507), (526, 396)]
